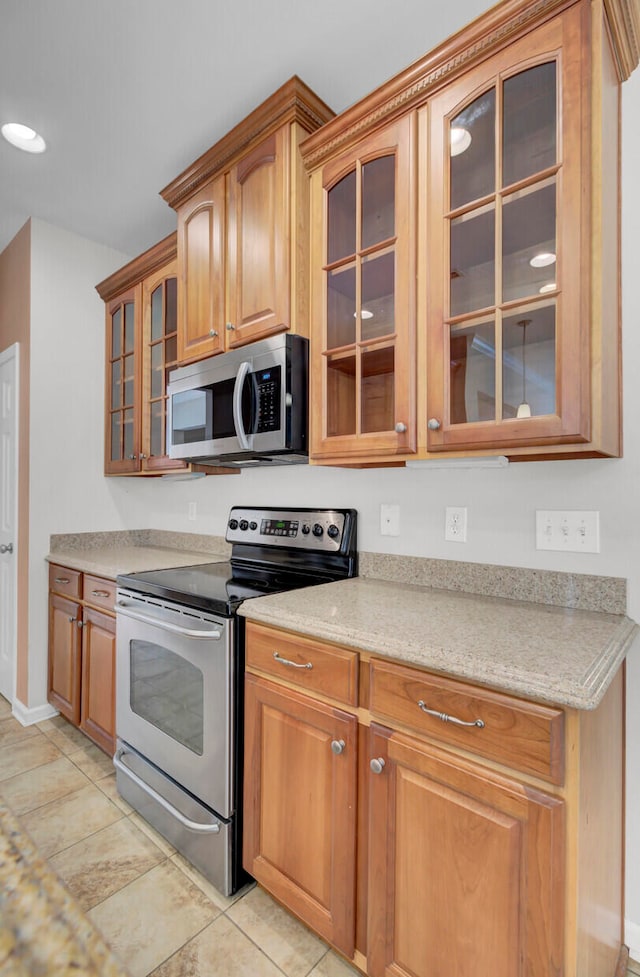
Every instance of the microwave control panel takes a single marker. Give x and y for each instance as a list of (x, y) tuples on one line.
[(268, 386)]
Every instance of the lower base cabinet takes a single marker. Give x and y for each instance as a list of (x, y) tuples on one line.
[(414, 856), (82, 646)]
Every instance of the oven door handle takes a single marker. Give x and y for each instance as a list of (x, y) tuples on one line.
[(121, 608), (212, 829)]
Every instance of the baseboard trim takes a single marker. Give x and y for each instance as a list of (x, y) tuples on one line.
[(27, 716), (632, 939)]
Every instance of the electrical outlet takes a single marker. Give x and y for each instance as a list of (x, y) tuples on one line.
[(192, 511), (455, 524), (389, 520), (560, 529)]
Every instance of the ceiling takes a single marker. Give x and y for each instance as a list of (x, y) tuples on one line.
[(127, 93)]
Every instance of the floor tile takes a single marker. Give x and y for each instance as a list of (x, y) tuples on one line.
[(162, 843), (292, 946), (332, 965), (147, 921), (223, 902), (56, 826), (11, 731), (49, 782), (93, 761), (25, 755), (634, 967), (96, 867), (5, 707), (67, 738), (220, 950), (108, 786)]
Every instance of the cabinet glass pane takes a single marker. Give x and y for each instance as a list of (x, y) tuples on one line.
[(156, 313), (472, 143), (171, 306), (116, 386), (129, 366), (341, 307), (341, 394), (171, 351), (529, 243), (341, 219), (128, 433), (116, 332), (378, 391), (129, 332), (472, 377), (116, 436), (529, 363), (473, 265), (529, 128), (156, 370), (378, 288), (378, 200), (156, 425)]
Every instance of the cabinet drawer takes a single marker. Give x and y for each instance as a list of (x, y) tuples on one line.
[(65, 581), (309, 664), (523, 735), (100, 592)]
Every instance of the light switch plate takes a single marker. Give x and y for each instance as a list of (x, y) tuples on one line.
[(573, 531)]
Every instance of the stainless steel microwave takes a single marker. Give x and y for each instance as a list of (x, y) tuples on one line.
[(245, 407)]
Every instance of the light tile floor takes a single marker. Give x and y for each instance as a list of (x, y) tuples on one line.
[(157, 913)]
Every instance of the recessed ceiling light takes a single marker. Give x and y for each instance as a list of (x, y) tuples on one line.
[(549, 287), (460, 140), (543, 259), (22, 137)]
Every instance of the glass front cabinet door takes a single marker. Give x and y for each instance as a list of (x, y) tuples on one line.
[(362, 331), (509, 301), (123, 383)]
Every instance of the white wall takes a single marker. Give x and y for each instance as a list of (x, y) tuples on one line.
[(69, 493)]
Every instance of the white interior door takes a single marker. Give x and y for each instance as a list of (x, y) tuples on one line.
[(8, 518)]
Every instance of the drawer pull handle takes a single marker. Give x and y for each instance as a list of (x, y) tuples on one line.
[(449, 719), (286, 661), (62, 580), (100, 593)]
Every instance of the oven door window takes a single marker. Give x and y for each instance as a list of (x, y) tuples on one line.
[(168, 692)]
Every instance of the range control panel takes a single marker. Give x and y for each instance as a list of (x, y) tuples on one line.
[(320, 530)]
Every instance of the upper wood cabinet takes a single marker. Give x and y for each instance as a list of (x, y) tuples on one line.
[(363, 310), (514, 316), (243, 229), (141, 349)]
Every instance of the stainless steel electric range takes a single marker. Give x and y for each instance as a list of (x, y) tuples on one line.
[(179, 675)]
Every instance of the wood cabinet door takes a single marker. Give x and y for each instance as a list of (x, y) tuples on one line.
[(466, 868), (363, 370), (300, 806), (98, 678), (65, 656), (259, 242), (122, 385), (508, 247), (159, 357), (201, 273)]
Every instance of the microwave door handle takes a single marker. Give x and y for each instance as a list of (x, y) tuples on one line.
[(245, 440)]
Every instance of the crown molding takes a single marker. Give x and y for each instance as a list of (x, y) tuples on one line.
[(145, 264), (623, 17)]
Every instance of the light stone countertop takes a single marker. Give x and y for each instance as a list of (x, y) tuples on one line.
[(552, 654)]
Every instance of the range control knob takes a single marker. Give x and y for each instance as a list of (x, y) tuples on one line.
[(244, 525), (333, 531), (233, 524), (306, 529), (253, 525), (317, 529)]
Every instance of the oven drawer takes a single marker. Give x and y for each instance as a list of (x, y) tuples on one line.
[(311, 665), (523, 735), (100, 592), (62, 580)]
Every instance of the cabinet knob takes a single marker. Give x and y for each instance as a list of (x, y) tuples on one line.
[(8, 548), (377, 764), (230, 326), (142, 456), (433, 424), (337, 746), (400, 428), (132, 457), (213, 332)]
